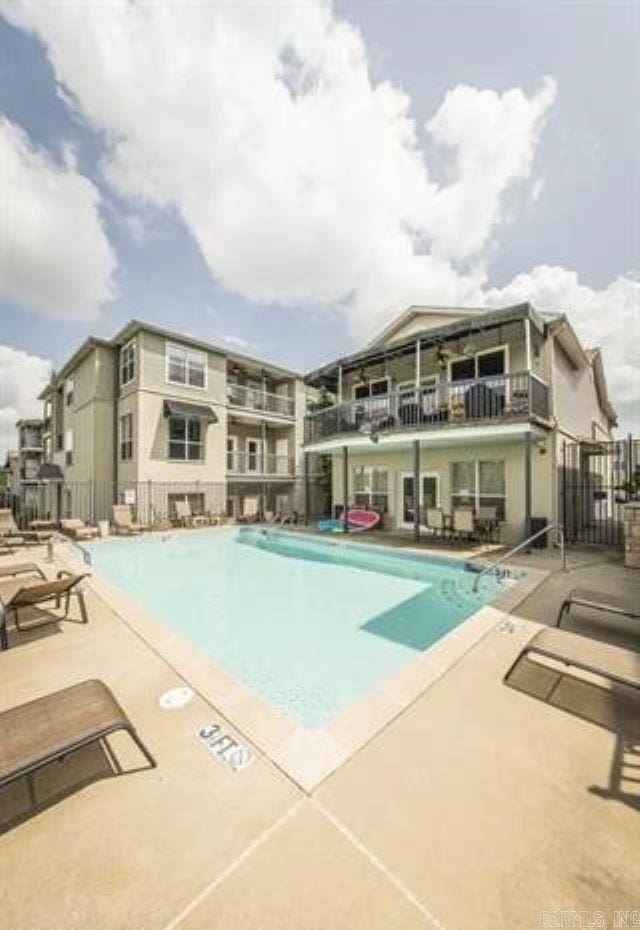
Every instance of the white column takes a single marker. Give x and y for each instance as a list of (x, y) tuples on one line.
[(417, 363), (527, 343), (339, 397)]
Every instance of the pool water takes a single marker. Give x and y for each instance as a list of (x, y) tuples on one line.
[(309, 625)]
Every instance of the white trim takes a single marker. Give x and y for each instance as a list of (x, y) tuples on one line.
[(475, 355), (369, 382), (527, 343), (259, 454), (463, 435), (400, 491), (128, 345), (194, 352)]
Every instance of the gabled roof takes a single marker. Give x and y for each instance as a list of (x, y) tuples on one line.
[(417, 310), (487, 319)]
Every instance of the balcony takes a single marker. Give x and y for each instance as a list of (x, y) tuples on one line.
[(503, 398), (250, 398), (256, 465), (29, 473)]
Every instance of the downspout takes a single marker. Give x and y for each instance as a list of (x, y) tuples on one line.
[(116, 387)]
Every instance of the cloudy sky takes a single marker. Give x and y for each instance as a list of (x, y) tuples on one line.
[(288, 176)]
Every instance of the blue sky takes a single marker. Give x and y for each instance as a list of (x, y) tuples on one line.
[(289, 177)]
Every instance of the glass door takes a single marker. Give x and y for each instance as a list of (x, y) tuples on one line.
[(429, 496)]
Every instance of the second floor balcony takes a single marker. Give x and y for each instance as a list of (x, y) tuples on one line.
[(508, 397), (258, 464), (255, 399)]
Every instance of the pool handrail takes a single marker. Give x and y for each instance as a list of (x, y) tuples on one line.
[(523, 545)]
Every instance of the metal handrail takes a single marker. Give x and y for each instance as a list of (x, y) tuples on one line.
[(58, 537), (545, 529)]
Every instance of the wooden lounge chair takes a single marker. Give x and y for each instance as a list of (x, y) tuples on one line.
[(12, 536), (123, 521), (78, 529), (570, 649), (23, 593), (593, 600), (50, 727), (22, 568)]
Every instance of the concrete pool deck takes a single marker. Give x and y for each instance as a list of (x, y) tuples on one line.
[(479, 805)]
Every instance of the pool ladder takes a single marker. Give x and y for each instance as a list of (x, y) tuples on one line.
[(492, 566)]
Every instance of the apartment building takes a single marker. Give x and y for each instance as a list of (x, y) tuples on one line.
[(151, 416), (23, 464), (456, 407)]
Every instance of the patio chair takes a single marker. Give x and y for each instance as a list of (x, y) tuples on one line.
[(593, 600), (20, 594), (184, 516), (435, 521), (12, 536), (250, 506), (463, 522), (51, 727), (612, 662), (78, 529), (123, 521), (487, 521)]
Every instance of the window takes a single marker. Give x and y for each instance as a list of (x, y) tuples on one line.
[(68, 447), (376, 388), (478, 484), (231, 452), (68, 391), (128, 362), (185, 438), (185, 366), (126, 437), (371, 488), (486, 364)]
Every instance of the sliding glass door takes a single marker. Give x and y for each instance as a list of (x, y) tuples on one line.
[(429, 496)]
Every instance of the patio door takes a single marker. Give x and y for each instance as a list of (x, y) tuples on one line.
[(429, 496), (254, 454)]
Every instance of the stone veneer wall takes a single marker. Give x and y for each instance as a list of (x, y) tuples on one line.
[(632, 535)]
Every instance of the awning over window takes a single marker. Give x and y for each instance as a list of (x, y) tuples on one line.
[(49, 472), (180, 408)]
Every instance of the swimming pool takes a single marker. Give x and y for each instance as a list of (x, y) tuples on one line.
[(309, 625)]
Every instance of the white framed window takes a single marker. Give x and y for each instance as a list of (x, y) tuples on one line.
[(479, 484), (254, 454), (232, 448), (68, 391), (186, 366), (185, 439), (126, 437), (68, 447), (127, 363), (487, 363), (377, 387), (371, 488)]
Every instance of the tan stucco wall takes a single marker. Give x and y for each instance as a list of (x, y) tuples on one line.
[(576, 404), (439, 461)]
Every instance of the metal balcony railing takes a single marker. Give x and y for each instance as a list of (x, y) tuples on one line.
[(255, 399), (255, 463), (447, 403)]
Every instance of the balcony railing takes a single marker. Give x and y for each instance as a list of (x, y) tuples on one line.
[(29, 474), (452, 403), (255, 463), (256, 399)]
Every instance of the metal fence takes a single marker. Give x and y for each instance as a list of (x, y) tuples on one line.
[(153, 502), (596, 480)]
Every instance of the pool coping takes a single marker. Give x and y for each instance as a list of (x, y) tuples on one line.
[(309, 756)]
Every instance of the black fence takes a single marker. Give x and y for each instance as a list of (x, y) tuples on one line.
[(153, 502), (596, 480)]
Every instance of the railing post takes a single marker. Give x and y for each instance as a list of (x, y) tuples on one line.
[(345, 487)]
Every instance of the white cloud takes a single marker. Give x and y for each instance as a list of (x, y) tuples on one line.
[(22, 377), (302, 181), (608, 318), (54, 255)]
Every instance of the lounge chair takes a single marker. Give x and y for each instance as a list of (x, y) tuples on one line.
[(463, 522), (22, 568), (611, 662), (249, 510), (610, 604), (123, 521), (185, 517), (78, 529), (12, 536), (487, 521), (22, 593), (50, 727)]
